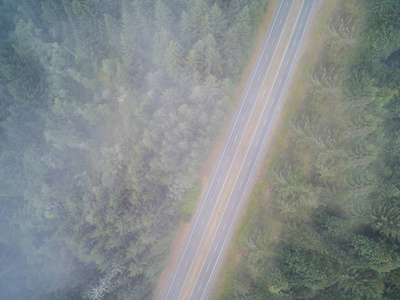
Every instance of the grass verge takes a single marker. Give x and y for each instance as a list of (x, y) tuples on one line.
[(190, 201)]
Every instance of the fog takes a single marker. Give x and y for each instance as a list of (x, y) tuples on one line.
[(108, 110)]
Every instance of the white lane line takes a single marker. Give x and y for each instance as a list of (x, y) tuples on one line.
[(265, 121), (257, 141), (202, 222), (208, 266), (280, 22), (301, 24), (249, 163), (216, 247), (259, 76), (178, 283), (280, 81), (235, 138), (273, 40), (227, 159), (266, 58), (224, 227), (199, 288), (194, 243), (219, 179), (294, 43), (241, 184), (286, 4), (287, 62), (186, 263), (243, 118)]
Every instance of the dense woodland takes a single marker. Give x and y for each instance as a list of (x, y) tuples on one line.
[(107, 110), (325, 222)]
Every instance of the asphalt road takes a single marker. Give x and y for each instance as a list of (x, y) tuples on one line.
[(199, 288)]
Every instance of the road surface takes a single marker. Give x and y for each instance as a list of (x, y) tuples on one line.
[(213, 222)]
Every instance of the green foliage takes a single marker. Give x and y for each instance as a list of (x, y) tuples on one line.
[(308, 268), (278, 282), (23, 76), (360, 284), (173, 58), (385, 219)]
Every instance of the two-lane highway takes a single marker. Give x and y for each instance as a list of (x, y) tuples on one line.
[(255, 152), (210, 232)]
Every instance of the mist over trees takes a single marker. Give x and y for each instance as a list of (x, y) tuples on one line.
[(107, 111), (330, 228)]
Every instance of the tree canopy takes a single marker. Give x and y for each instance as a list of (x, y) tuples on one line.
[(107, 111)]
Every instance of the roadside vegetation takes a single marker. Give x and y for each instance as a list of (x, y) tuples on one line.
[(108, 110), (324, 220)]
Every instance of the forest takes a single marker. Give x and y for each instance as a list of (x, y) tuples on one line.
[(324, 220), (107, 111)]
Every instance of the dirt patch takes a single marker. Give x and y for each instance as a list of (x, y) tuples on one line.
[(206, 171)]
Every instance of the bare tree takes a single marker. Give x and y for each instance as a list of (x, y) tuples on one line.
[(99, 290), (8, 260)]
